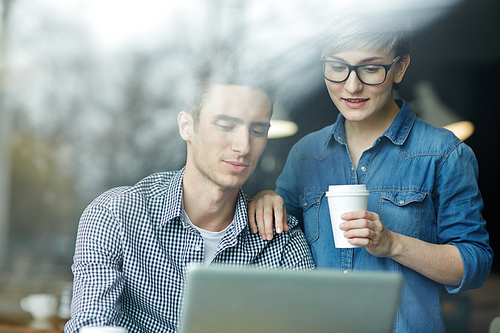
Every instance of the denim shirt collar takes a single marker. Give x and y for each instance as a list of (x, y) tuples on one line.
[(398, 131)]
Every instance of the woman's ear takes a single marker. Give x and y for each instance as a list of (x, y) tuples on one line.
[(185, 122), (401, 68)]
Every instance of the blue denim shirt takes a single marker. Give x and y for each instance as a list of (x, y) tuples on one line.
[(423, 184)]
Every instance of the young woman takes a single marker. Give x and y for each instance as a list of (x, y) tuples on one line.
[(424, 210)]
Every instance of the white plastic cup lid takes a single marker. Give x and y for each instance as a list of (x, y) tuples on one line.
[(334, 190)]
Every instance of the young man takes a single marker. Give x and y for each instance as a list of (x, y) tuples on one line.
[(134, 243)]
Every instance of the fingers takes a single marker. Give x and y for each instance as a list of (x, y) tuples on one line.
[(360, 241), (251, 217), (262, 218), (266, 224), (365, 229), (279, 212), (364, 233), (265, 209), (359, 214), (359, 225), (285, 220), (262, 214), (363, 237)]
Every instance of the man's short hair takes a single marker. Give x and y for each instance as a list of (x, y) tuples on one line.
[(231, 67), (365, 29)]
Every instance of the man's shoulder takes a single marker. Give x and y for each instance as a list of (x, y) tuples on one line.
[(291, 220), (153, 185), (293, 223), (298, 254)]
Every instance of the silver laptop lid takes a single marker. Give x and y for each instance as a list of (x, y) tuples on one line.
[(222, 299)]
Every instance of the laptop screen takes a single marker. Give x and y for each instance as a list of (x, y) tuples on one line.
[(224, 299)]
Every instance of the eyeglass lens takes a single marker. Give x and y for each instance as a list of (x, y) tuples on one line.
[(369, 74)]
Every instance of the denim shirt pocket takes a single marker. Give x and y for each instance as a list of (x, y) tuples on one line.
[(401, 211), (310, 203)]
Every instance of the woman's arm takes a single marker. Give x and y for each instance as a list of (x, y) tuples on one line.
[(268, 207), (440, 263)]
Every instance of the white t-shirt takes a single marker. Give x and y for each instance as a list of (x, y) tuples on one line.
[(211, 239)]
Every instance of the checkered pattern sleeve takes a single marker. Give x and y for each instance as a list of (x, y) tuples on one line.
[(297, 254), (98, 278)]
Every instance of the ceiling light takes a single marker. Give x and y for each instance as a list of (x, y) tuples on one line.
[(282, 129), (462, 129)]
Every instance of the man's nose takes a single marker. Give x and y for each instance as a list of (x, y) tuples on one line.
[(241, 142)]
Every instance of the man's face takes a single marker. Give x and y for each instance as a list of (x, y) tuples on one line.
[(230, 136)]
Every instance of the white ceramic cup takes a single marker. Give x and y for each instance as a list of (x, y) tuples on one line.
[(40, 306), (343, 199), (103, 329)]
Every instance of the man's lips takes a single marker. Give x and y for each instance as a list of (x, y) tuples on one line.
[(355, 103), (236, 166)]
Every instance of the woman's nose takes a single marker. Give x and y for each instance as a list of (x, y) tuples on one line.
[(353, 84)]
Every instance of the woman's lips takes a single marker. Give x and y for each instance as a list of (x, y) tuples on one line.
[(355, 103)]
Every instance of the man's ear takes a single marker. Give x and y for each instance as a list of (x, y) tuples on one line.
[(185, 122), (401, 68)]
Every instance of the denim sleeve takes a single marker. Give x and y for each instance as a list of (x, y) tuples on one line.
[(98, 278), (459, 221), (287, 185)]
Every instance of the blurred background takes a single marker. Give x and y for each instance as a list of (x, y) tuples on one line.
[(90, 91)]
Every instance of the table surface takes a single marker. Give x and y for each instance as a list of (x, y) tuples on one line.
[(24, 324)]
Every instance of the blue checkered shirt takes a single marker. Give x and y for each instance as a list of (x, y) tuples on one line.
[(133, 246)]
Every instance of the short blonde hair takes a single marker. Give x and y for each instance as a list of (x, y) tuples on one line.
[(389, 31)]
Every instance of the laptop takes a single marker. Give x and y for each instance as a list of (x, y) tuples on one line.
[(224, 299)]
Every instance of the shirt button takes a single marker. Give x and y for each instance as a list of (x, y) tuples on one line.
[(346, 271), (401, 202), (363, 168), (197, 248), (339, 138)]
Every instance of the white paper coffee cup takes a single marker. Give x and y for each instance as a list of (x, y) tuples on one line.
[(343, 199)]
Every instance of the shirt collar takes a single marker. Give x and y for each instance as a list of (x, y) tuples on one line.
[(174, 207), (400, 128), (398, 131)]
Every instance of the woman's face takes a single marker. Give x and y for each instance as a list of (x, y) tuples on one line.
[(357, 101)]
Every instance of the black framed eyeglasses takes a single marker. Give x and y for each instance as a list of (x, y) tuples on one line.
[(369, 74)]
